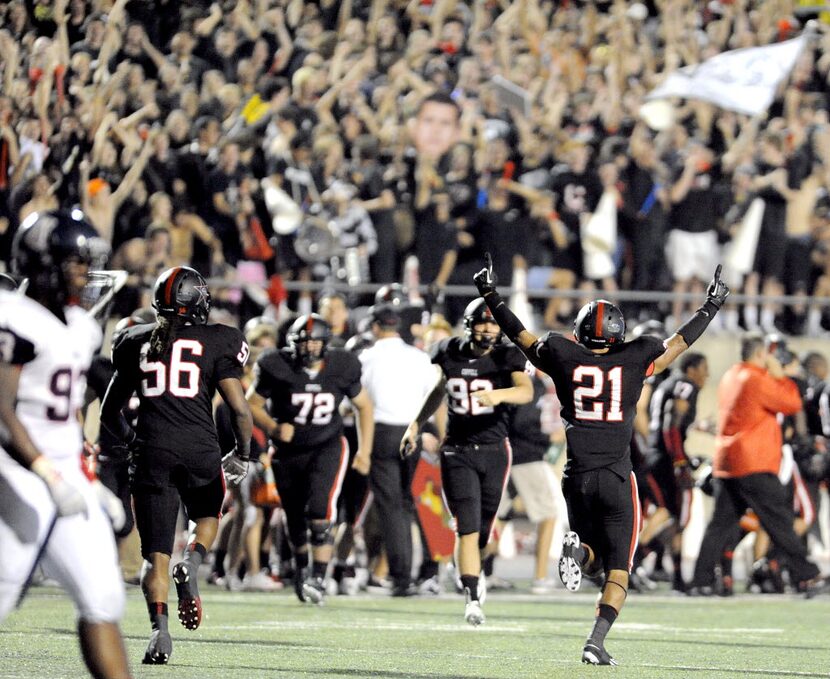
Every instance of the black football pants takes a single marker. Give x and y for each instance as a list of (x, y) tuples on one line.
[(764, 494)]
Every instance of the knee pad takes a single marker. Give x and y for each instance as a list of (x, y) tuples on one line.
[(321, 534)]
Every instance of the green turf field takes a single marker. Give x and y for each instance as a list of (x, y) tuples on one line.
[(248, 636)]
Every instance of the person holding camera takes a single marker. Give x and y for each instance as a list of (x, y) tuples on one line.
[(746, 462)]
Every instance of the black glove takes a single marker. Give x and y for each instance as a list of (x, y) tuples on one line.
[(485, 279), (718, 291)]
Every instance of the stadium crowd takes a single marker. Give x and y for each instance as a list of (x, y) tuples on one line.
[(269, 141), (359, 142)]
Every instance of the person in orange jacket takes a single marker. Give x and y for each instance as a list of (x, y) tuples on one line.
[(746, 461)]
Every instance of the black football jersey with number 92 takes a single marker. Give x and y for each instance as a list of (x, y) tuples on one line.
[(470, 421), (309, 400), (599, 394), (176, 392)]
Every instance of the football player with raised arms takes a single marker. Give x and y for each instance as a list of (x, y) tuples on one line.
[(479, 376), (175, 366), (598, 380), (295, 399), (49, 511)]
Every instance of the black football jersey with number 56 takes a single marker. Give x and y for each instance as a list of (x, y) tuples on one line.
[(599, 394), (470, 421), (310, 400), (176, 392)]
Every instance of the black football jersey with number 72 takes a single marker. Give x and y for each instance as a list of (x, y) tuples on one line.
[(469, 420), (310, 400), (599, 394), (176, 391)]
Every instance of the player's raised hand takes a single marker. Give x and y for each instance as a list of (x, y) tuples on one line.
[(485, 279), (718, 291), (235, 467)]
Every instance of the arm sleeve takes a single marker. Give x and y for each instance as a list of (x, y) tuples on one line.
[(352, 375), (15, 349), (233, 356)]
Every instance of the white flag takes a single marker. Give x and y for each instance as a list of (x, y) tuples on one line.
[(742, 80)]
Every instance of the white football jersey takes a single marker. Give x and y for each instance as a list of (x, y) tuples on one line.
[(54, 359)]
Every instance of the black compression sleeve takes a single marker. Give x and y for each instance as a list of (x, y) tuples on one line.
[(692, 329), (507, 320)]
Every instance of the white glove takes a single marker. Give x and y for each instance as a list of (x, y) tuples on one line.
[(235, 467), (68, 499), (111, 505)]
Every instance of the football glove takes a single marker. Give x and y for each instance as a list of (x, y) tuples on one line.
[(235, 467), (68, 499), (718, 291), (111, 505), (485, 279)]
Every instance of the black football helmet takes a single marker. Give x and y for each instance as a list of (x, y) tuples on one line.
[(393, 293), (651, 328), (181, 291), (599, 325), (46, 243), (310, 327), (475, 314), (7, 283)]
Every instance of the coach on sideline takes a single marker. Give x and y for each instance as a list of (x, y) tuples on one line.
[(746, 461), (397, 377)]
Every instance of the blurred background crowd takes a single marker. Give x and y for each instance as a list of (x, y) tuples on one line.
[(281, 141)]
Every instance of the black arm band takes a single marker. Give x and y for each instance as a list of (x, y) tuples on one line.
[(507, 320), (692, 329)]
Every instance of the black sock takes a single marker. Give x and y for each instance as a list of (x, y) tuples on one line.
[(676, 560), (219, 562), (318, 570), (726, 563), (429, 569), (301, 560), (337, 572), (265, 561), (158, 615), (470, 582), (606, 615), (487, 564), (194, 555)]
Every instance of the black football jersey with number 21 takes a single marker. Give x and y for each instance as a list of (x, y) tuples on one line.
[(176, 392), (469, 420), (599, 394)]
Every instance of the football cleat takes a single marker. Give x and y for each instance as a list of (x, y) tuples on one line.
[(430, 586), (482, 588), (190, 603), (473, 613), (159, 650), (570, 563), (314, 591), (815, 586), (592, 654), (348, 586)]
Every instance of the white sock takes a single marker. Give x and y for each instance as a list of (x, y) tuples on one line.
[(751, 316)]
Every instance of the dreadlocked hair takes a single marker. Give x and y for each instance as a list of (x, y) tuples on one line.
[(162, 337)]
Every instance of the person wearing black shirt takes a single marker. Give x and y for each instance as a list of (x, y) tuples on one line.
[(673, 411), (598, 380), (295, 399), (479, 377), (176, 365)]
